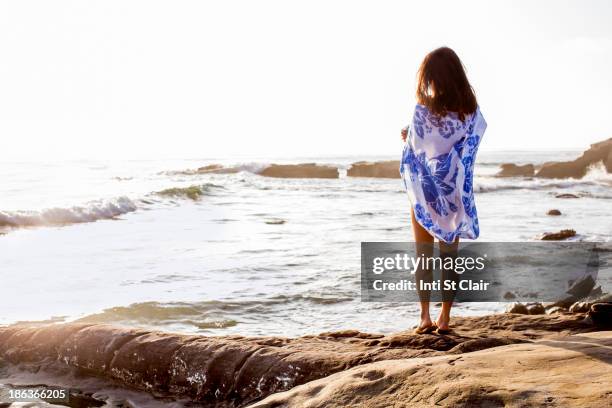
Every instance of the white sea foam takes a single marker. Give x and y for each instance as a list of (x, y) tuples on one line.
[(253, 167), (92, 211), (597, 176)]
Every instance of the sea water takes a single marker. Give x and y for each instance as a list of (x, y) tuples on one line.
[(96, 241)]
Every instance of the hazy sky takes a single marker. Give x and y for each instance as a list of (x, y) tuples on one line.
[(148, 79)]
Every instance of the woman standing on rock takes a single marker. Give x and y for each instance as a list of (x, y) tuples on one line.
[(437, 167)]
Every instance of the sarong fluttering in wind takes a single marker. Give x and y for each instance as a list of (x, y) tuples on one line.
[(437, 168)]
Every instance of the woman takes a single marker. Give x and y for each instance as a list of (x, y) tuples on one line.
[(437, 166)]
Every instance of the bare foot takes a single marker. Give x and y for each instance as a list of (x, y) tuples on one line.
[(425, 322), (425, 326), (442, 322)]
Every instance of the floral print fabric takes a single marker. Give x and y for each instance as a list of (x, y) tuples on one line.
[(437, 169)]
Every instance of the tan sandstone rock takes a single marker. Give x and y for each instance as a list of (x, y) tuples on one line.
[(598, 152), (565, 371), (514, 170), (304, 170), (233, 371), (381, 169)]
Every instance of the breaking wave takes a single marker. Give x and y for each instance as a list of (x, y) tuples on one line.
[(90, 212), (97, 210), (593, 179), (194, 192), (205, 315)]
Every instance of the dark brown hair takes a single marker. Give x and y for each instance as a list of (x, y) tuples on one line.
[(442, 85)]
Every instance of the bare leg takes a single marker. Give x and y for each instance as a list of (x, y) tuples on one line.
[(424, 247), (444, 318)]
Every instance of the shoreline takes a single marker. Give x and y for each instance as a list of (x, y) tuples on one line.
[(236, 371)]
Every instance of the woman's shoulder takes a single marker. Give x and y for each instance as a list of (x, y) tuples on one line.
[(427, 113), (419, 107), (422, 112)]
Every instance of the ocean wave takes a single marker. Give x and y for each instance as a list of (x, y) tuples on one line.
[(206, 315), (194, 192), (492, 184), (197, 316), (104, 209), (253, 167), (90, 212)]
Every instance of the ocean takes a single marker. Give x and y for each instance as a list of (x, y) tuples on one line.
[(115, 241)]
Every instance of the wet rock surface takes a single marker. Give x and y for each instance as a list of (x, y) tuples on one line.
[(518, 308), (234, 371), (558, 236), (601, 314), (535, 309)]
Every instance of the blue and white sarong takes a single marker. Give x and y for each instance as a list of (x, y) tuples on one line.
[(437, 168)]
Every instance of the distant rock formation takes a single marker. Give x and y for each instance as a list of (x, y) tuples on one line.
[(233, 371), (304, 170), (217, 169), (608, 162), (598, 152), (513, 170), (208, 169), (381, 169)]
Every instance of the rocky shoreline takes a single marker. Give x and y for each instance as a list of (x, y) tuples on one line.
[(600, 152), (561, 371), (235, 371)]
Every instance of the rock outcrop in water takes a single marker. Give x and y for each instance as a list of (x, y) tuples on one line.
[(514, 170), (381, 169), (217, 169), (558, 236), (208, 169), (233, 371), (598, 152), (304, 170)]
